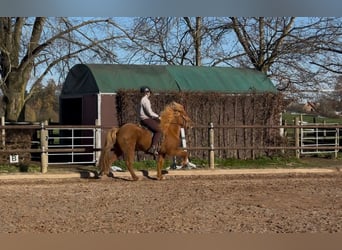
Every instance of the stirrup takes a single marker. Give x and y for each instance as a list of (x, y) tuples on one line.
[(153, 150)]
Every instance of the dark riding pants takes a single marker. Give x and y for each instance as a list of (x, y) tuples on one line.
[(154, 126)]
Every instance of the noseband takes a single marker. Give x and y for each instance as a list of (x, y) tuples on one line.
[(182, 123)]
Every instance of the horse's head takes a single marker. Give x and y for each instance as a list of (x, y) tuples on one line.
[(180, 115), (174, 114)]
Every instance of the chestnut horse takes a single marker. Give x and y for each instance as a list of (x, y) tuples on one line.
[(127, 139)]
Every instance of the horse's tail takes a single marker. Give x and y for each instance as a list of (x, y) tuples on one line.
[(107, 157)]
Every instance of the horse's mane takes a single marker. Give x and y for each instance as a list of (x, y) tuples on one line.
[(168, 114)]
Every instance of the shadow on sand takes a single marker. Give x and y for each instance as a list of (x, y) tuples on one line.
[(88, 174)]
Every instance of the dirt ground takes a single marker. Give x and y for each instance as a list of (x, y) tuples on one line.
[(277, 203)]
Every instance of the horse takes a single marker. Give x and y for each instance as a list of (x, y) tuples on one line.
[(130, 137)]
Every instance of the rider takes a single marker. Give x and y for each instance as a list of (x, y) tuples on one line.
[(149, 119)]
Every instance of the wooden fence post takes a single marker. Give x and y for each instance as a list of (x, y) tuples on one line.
[(336, 142), (297, 134), (211, 145), (3, 133), (44, 147)]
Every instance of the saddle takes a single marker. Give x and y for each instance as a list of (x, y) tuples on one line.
[(145, 127)]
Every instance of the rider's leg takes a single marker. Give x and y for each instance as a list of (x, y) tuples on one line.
[(153, 125)]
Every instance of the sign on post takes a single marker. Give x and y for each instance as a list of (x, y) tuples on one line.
[(14, 158)]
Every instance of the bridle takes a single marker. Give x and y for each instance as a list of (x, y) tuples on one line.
[(181, 124)]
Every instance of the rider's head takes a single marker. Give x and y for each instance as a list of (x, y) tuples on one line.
[(145, 90)]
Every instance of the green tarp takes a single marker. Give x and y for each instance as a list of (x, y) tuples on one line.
[(109, 78)]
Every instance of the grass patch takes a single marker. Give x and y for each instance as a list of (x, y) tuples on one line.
[(315, 161), (19, 168), (262, 162), (310, 118)]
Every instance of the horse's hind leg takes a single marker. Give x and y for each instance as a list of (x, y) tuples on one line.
[(106, 161), (129, 159), (160, 164)]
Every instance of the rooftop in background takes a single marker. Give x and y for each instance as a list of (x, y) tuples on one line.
[(109, 78)]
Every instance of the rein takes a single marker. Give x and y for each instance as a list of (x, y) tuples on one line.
[(180, 124)]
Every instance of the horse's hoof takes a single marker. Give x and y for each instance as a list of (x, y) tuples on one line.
[(100, 175), (160, 178), (135, 178)]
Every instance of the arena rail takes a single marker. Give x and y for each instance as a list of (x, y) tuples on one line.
[(44, 149)]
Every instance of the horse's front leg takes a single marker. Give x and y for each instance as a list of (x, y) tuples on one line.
[(184, 155), (160, 164)]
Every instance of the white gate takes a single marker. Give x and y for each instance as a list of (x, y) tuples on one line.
[(72, 145), (316, 140)]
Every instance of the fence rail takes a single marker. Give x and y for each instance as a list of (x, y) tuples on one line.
[(74, 141)]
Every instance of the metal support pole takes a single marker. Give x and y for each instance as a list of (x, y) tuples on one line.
[(183, 138), (336, 142), (211, 145), (183, 144), (297, 133), (97, 142)]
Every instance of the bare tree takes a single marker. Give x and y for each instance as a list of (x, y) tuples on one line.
[(299, 54), (329, 45), (196, 34), (177, 41), (262, 40), (157, 40), (30, 48)]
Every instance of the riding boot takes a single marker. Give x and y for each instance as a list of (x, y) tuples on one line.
[(153, 150)]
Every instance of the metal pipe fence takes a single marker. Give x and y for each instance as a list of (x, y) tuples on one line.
[(81, 144)]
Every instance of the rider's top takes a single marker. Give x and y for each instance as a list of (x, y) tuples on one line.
[(146, 111)]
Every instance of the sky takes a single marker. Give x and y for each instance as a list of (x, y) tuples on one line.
[(171, 8)]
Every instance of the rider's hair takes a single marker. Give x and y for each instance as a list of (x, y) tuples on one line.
[(144, 89)]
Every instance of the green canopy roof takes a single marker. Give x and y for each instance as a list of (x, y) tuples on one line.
[(109, 78)]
